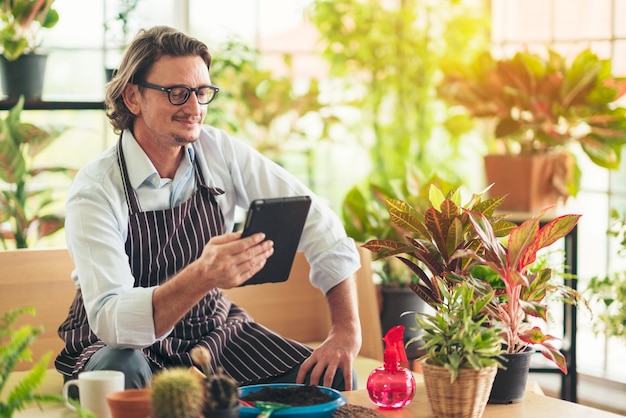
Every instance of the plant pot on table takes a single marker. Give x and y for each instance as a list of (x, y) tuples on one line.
[(510, 384), (466, 397)]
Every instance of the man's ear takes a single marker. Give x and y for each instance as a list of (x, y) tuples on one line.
[(132, 98)]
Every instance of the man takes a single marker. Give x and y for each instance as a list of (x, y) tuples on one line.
[(148, 230)]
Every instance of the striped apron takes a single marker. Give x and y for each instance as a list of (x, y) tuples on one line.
[(159, 244)]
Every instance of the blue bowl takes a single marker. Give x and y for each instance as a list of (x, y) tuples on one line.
[(323, 410)]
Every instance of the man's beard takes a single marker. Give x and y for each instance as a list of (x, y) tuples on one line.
[(185, 140)]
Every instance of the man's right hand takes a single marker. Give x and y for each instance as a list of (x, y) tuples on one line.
[(229, 260), (226, 262)]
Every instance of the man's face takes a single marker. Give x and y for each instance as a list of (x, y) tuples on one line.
[(158, 119)]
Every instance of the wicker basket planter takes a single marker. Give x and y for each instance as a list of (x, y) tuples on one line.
[(465, 398)]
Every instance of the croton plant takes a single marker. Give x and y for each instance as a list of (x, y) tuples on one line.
[(474, 243)]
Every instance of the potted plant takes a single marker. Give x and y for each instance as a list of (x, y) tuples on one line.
[(176, 393), (15, 347), (438, 216), (541, 107), (459, 243), (524, 291), (462, 351), (21, 24), (221, 392), (27, 211)]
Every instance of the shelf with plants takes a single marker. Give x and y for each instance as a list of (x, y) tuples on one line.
[(7, 104)]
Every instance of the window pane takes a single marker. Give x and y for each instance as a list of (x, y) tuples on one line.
[(582, 19), (527, 20), (74, 75)]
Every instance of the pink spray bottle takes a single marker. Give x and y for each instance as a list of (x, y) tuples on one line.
[(392, 386)]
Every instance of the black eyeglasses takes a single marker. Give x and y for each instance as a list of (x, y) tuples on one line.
[(178, 95)]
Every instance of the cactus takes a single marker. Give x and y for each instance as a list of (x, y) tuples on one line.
[(176, 393), (221, 391)]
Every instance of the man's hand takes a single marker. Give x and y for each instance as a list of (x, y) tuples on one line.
[(226, 262), (229, 260), (343, 343), (336, 352)]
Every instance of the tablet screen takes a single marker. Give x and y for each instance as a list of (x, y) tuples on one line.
[(282, 220)]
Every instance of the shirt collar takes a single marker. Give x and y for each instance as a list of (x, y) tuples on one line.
[(140, 169)]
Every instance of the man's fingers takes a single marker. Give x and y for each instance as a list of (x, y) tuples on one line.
[(329, 376)]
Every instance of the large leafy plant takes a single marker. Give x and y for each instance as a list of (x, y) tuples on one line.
[(432, 238), (457, 243), (21, 23), (27, 205), (525, 290), (541, 103)]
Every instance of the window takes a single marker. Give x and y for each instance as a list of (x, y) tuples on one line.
[(569, 26)]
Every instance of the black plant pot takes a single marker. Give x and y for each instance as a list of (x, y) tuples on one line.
[(396, 301), (510, 384), (24, 76), (222, 413)]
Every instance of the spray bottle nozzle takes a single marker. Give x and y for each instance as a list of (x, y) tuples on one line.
[(394, 346)]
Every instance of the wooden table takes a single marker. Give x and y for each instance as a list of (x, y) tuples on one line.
[(534, 405)]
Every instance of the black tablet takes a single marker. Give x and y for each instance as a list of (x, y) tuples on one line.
[(282, 220)]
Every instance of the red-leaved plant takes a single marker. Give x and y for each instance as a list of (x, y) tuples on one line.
[(458, 243), (525, 290)]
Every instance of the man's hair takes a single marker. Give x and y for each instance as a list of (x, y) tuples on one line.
[(148, 47)]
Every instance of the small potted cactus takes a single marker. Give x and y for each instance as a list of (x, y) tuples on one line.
[(176, 393), (221, 392)]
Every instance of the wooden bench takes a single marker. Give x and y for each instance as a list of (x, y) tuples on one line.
[(41, 278)]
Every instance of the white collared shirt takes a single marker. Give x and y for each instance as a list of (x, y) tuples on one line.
[(97, 224)]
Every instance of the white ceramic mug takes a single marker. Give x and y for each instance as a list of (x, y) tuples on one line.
[(93, 388)]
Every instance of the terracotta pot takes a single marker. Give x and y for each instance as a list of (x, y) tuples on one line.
[(130, 403), (529, 182)]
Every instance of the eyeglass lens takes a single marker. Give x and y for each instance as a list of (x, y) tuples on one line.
[(179, 95)]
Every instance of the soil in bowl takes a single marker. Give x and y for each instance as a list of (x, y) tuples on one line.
[(290, 395)]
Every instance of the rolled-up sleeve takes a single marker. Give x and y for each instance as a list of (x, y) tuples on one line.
[(332, 266)]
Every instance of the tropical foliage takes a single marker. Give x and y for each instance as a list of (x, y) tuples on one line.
[(27, 203), (21, 23), (539, 103), (15, 347), (458, 243), (458, 334)]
